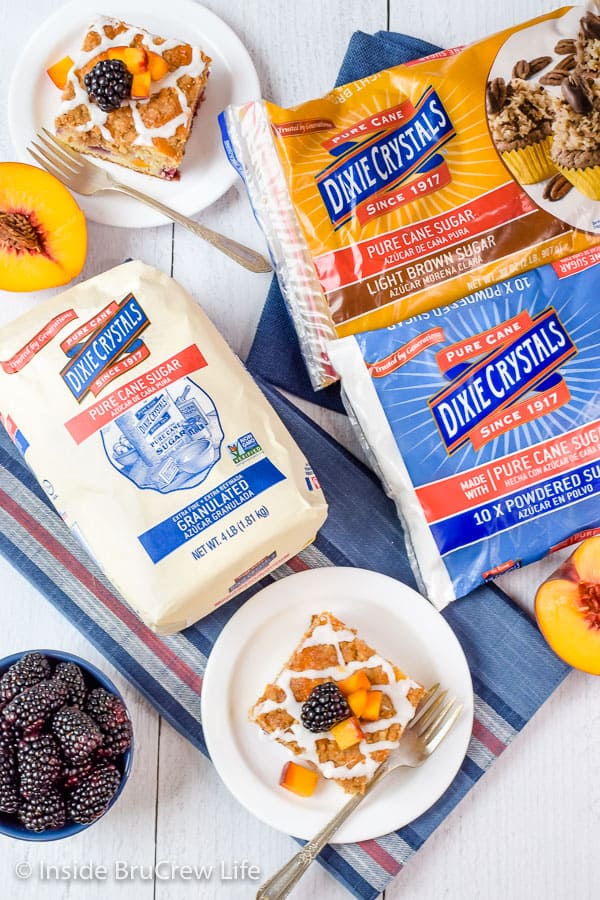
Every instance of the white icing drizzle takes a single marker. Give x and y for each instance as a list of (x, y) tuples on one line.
[(98, 118), (397, 691)]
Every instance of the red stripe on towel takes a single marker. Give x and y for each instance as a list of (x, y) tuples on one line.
[(487, 738), (381, 856), (86, 578), (297, 565)]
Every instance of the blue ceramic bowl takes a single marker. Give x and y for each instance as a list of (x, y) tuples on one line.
[(9, 825)]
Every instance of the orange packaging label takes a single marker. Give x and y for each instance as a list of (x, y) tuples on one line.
[(428, 181)]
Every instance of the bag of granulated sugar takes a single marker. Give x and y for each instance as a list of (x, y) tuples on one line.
[(483, 420), (155, 445)]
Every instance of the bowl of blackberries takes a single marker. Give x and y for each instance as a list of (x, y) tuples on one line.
[(66, 745)]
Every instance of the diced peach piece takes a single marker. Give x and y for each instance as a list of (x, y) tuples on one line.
[(158, 65), (116, 53), (60, 71), (298, 779), (358, 681), (134, 58), (357, 702), (140, 86), (163, 145), (347, 733), (372, 706)]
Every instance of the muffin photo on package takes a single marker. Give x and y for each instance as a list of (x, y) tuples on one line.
[(520, 118), (543, 114), (576, 141)]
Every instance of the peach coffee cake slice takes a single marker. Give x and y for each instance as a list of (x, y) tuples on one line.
[(374, 703), (131, 97)]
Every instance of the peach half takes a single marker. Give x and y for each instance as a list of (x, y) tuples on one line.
[(567, 608), (43, 236)]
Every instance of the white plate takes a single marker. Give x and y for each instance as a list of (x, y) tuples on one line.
[(205, 172), (254, 645)]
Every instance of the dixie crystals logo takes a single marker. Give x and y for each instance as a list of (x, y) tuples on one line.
[(112, 333), (465, 409), (388, 156)]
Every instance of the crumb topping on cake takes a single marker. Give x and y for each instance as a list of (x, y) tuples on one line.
[(150, 129), (331, 651), (142, 120)]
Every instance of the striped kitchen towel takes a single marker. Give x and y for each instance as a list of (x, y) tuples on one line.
[(513, 670)]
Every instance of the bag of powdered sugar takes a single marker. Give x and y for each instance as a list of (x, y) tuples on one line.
[(483, 420), (155, 445)]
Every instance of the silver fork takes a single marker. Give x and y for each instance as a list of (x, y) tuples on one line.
[(83, 177), (433, 721)]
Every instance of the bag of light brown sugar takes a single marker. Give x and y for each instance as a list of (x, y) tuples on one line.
[(155, 445), (412, 187)]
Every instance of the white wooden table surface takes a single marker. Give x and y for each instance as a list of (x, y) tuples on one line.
[(531, 827)]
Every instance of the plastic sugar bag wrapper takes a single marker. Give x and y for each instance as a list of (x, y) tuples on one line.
[(482, 419), (154, 444), (412, 187)]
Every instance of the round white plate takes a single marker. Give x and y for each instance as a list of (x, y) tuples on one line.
[(205, 172), (254, 645)]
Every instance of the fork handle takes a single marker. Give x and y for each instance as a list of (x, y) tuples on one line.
[(246, 257), (280, 884)]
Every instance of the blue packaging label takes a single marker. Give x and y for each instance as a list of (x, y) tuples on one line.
[(494, 404), (209, 509)]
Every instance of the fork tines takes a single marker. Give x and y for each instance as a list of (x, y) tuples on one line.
[(55, 157), (434, 718)]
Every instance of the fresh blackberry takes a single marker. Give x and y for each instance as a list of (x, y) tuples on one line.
[(108, 83), (325, 707), (30, 709), (72, 676), (8, 736), (74, 775), (39, 765), (27, 671), (9, 783), (43, 813), (78, 735), (93, 794), (112, 717)]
